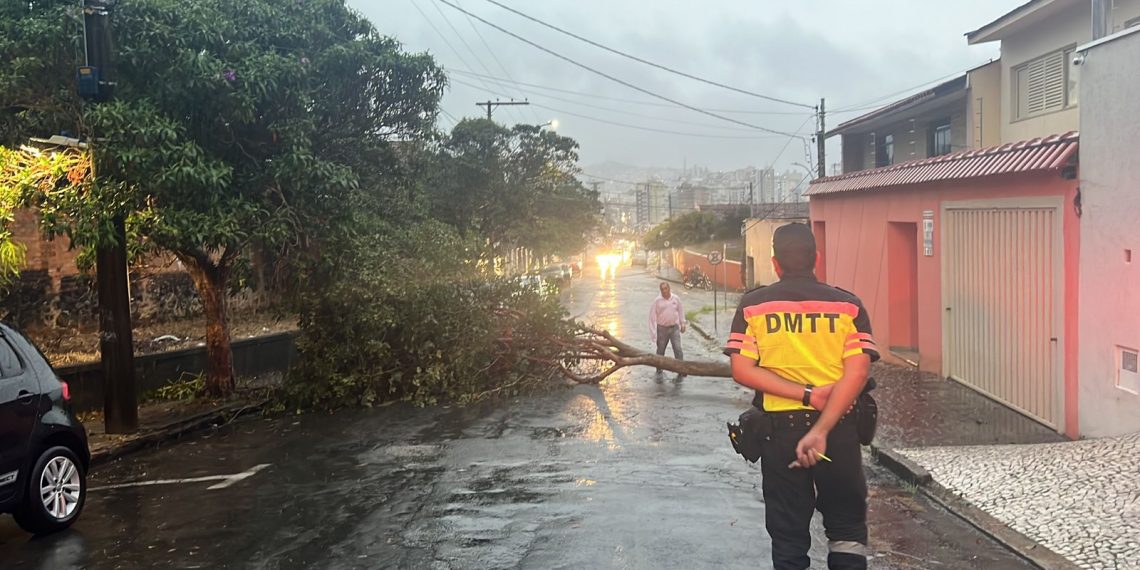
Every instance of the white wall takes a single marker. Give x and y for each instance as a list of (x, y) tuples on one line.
[(1110, 194), (1068, 28)]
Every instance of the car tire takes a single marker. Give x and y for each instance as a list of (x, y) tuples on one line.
[(59, 471)]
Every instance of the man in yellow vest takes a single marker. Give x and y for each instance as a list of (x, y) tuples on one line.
[(806, 348)]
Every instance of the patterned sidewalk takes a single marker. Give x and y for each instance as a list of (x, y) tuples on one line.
[(1080, 499)]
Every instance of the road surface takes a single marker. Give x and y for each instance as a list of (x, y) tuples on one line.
[(634, 473)]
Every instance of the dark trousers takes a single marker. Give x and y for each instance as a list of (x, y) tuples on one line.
[(837, 489), (667, 335)]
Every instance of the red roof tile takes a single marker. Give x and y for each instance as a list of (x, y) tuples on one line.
[(1041, 154)]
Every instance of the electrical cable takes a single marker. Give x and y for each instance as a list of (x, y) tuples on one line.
[(499, 62), (647, 62), (876, 102), (444, 38), (611, 77), (655, 130), (588, 117), (623, 100), (510, 111)]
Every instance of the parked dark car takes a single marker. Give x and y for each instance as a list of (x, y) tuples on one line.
[(43, 448)]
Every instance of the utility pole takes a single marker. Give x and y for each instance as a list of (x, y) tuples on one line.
[(751, 201), (116, 343), (490, 105), (819, 139)]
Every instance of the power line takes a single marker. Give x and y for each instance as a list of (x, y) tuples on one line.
[(610, 77), (876, 102), (454, 121), (498, 62), (624, 100), (444, 37), (652, 129), (647, 62), (470, 51), (789, 142), (611, 109), (695, 186)]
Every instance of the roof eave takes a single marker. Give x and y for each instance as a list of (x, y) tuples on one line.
[(928, 97), (1033, 155), (997, 29)]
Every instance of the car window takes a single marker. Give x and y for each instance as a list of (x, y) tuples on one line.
[(10, 364)]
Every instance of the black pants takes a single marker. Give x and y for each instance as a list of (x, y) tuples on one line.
[(838, 489)]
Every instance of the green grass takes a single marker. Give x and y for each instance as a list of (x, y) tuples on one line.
[(692, 315)]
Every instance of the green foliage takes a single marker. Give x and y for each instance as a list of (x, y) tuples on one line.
[(190, 387), (696, 227), (513, 187), (693, 314), (233, 122), (296, 128), (409, 318)]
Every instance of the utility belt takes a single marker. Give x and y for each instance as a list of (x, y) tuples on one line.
[(801, 420), (756, 426)]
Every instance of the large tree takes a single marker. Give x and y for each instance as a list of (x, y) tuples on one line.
[(695, 228), (233, 123), (513, 187)]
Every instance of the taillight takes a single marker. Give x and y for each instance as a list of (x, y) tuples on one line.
[(66, 391)]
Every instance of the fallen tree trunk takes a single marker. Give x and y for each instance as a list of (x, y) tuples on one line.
[(595, 345)]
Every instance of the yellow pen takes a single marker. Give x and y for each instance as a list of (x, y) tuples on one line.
[(795, 464)]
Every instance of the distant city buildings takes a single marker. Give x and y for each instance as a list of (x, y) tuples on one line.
[(639, 199)]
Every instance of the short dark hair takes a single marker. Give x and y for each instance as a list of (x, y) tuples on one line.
[(793, 246)]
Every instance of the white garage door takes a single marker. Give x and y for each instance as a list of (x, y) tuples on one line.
[(1002, 290)]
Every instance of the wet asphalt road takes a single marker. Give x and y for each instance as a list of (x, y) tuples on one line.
[(634, 473)]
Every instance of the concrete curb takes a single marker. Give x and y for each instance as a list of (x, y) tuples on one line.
[(177, 429), (1031, 551), (700, 330)]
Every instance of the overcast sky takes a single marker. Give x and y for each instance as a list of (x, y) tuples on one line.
[(853, 52)]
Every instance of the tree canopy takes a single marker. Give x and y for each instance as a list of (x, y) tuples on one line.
[(232, 123), (696, 227), (513, 187)]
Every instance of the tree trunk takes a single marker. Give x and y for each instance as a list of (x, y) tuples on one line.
[(210, 280)]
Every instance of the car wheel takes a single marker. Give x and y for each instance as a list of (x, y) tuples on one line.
[(57, 491)]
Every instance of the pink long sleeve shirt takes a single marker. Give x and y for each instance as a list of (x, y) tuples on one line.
[(665, 312)]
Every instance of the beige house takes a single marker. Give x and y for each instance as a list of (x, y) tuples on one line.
[(757, 234), (1039, 82), (1032, 91)]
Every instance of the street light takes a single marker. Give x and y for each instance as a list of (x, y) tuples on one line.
[(553, 124), (59, 140)]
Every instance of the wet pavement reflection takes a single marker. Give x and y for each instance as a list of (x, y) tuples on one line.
[(633, 473)]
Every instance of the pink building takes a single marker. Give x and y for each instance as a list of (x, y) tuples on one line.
[(968, 265)]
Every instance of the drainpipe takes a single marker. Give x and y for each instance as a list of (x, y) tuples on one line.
[(1101, 13)]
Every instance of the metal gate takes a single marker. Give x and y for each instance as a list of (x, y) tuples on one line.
[(1002, 284)]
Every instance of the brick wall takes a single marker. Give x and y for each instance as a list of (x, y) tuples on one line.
[(52, 292)]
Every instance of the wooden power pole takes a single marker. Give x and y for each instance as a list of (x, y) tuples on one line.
[(490, 105), (116, 342), (820, 141)]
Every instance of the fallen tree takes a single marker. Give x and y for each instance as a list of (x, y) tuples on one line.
[(595, 345), (591, 355)]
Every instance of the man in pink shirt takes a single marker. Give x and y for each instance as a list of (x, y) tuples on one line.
[(667, 322)]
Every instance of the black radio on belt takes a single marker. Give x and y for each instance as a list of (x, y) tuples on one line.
[(749, 433), (754, 426)]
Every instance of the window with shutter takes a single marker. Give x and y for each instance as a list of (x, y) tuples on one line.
[(1042, 85)]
